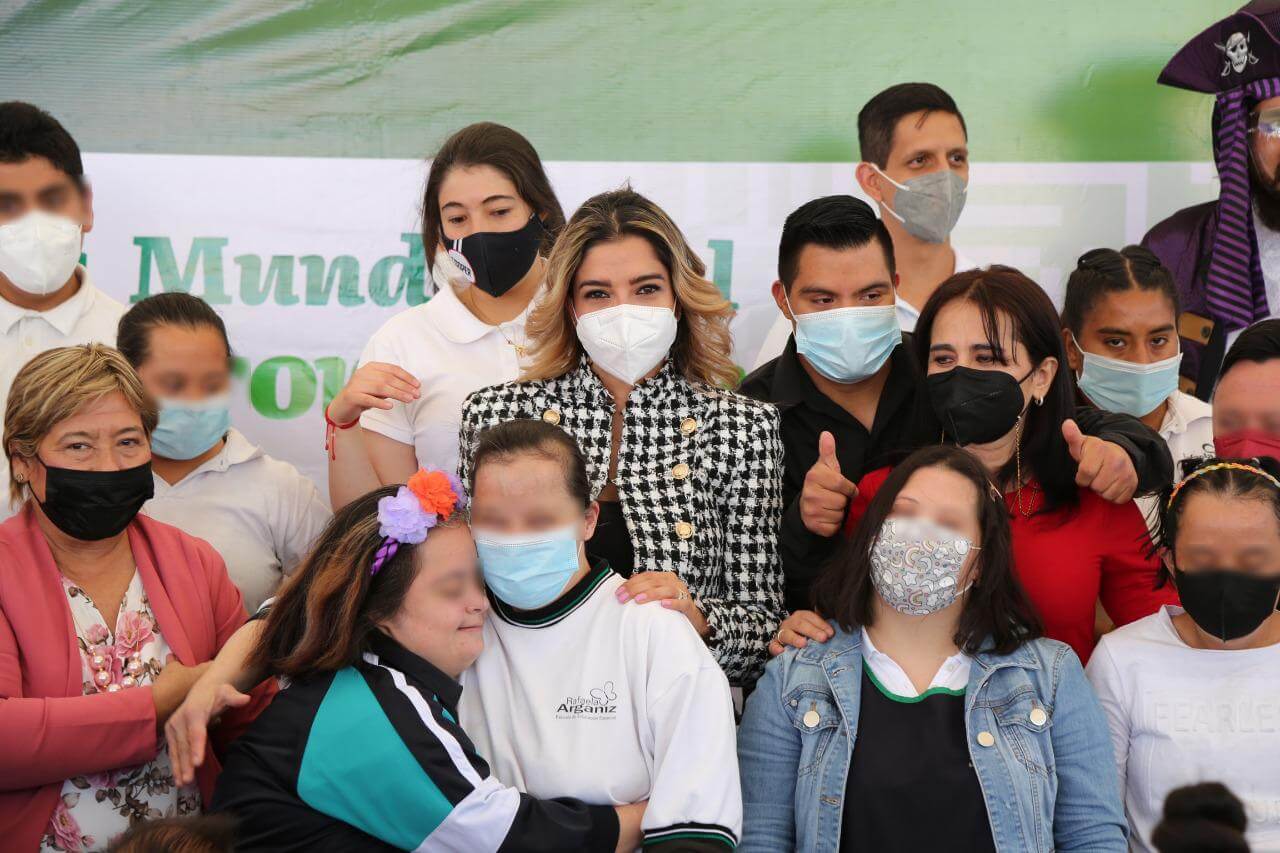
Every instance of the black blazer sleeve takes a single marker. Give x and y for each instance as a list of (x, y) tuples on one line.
[(1149, 452)]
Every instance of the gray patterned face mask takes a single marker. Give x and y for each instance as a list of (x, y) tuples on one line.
[(916, 565)]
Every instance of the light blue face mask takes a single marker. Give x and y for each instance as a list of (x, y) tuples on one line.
[(528, 570), (1125, 387), (847, 344), (188, 428)]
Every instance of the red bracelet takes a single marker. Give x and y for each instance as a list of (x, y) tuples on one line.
[(330, 433), (328, 420)]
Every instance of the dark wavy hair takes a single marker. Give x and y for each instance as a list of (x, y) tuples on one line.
[(997, 613), (1004, 292)]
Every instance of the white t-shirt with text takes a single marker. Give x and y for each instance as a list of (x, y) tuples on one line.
[(1180, 715), (608, 702)]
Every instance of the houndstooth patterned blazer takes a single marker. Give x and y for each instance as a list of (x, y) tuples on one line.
[(699, 479)]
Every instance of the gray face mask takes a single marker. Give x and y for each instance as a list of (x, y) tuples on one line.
[(928, 206)]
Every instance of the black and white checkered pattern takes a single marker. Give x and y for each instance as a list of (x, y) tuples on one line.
[(732, 495)]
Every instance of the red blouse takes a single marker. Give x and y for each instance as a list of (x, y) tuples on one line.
[(1070, 558)]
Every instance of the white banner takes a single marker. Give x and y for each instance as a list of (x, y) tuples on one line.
[(305, 257)]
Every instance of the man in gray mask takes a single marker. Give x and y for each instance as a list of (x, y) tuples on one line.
[(915, 168)]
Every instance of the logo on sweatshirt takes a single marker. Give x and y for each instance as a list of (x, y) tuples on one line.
[(600, 703)]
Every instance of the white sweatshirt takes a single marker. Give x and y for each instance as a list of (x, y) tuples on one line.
[(1180, 715), (609, 703)]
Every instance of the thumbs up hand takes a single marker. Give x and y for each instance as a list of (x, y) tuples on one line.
[(1101, 465), (825, 496), (1075, 439)]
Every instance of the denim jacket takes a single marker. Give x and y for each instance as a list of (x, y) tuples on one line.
[(1047, 787)]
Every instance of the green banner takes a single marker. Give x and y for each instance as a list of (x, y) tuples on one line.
[(668, 80)]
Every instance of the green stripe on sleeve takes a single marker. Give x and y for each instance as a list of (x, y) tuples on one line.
[(691, 835), (357, 769)]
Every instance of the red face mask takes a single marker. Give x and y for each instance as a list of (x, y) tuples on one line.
[(1246, 444)]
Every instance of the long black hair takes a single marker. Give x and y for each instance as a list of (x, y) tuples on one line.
[(1001, 292), (996, 608)]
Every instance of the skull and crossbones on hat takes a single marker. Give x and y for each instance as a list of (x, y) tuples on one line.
[(1238, 54)]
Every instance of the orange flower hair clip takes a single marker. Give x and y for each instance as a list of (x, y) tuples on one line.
[(437, 491), (406, 517)]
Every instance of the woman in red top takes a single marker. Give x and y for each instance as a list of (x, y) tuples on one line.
[(994, 356)]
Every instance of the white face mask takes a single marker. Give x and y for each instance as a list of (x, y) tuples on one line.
[(445, 272), (39, 251), (628, 341)]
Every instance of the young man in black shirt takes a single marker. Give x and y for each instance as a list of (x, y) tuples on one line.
[(851, 396)]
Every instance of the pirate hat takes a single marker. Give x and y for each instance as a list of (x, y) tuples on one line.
[(1237, 50), (1237, 60)]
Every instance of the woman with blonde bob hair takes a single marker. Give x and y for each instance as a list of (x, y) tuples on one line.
[(630, 356), (107, 617)]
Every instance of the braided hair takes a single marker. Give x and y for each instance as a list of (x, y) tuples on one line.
[(1102, 271)]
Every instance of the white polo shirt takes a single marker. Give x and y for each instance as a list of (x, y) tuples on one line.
[(1188, 430), (452, 353), (90, 316), (259, 513), (776, 341), (611, 703)]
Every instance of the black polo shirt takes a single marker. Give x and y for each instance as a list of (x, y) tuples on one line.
[(904, 421), (806, 413)]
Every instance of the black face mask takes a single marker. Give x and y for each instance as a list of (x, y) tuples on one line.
[(495, 261), (1228, 605), (975, 406), (93, 505)]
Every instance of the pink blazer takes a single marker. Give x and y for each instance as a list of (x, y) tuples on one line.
[(49, 730)]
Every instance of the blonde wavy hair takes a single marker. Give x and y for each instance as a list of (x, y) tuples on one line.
[(702, 346), (55, 385)]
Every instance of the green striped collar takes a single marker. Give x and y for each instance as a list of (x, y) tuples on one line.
[(907, 700), (569, 601)]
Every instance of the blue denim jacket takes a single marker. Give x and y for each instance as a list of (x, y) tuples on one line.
[(1047, 787)]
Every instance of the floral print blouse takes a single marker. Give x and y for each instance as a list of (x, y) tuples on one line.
[(94, 809)]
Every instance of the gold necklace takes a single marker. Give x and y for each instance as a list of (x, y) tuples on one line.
[(470, 304), (1017, 469)]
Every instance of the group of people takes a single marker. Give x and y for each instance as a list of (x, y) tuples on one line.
[(580, 584)]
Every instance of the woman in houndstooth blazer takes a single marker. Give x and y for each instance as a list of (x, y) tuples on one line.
[(694, 469)]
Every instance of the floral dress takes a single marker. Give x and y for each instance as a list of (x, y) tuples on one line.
[(96, 808)]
